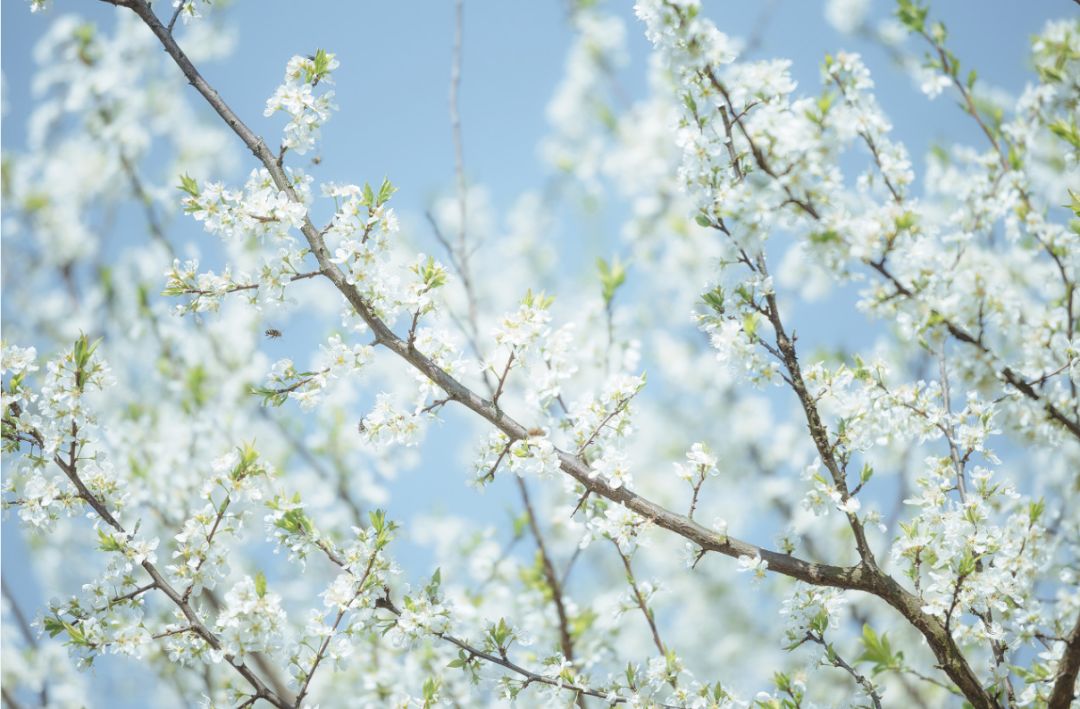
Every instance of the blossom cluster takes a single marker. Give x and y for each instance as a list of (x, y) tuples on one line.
[(964, 411), (296, 97)]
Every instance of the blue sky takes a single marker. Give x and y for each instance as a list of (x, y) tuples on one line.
[(392, 89), (393, 81)]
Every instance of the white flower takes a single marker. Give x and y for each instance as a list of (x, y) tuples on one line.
[(342, 593), (613, 468), (385, 426), (754, 564), (252, 620), (533, 456), (521, 329), (700, 456), (849, 506), (421, 616), (932, 82), (40, 507), (17, 360), (339, 357), (296, 97), (700, 463), (619, 524), (188, 9)]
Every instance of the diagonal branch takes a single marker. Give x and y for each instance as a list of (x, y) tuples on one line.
[(1068, 667), (861, 577), (818, 574), (70, 470)]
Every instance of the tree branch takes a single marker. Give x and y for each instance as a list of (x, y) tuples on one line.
[(818, 574), (550, 576), (70, 470), (859, 577), (1068, 667)]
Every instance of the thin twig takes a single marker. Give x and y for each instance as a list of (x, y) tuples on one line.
[(639, 598), (553, 582)]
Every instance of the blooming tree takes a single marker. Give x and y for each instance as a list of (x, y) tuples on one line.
[(756, 523)]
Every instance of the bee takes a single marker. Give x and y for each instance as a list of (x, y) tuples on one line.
[(272, 333), (317, 160), (536, 432)]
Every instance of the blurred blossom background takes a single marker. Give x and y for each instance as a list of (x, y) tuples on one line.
[(541, 202)]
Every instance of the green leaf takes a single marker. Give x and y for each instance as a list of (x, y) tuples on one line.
[(878, 651), (319, 68), (108, 542), (824, 237), (189, 185), (912, 15), (939, 35), (1067, 131), (750, 324), (431, 690), (906, 221), (539, 300), (715, 299), (322, 62), (432, 589), (612, 276), (386, 190), (500, 634), (260, 584), (53, 625)]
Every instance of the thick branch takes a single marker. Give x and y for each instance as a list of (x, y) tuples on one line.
[(1068, 668), (881, 584), (818, 574), (859, 577)]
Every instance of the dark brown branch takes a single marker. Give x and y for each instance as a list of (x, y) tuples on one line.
[(859, 577), (175, 15), (157, 231), (130, 596), (9, 699), (209, 541), (1068, 667), (882, 585), (620, 405)]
